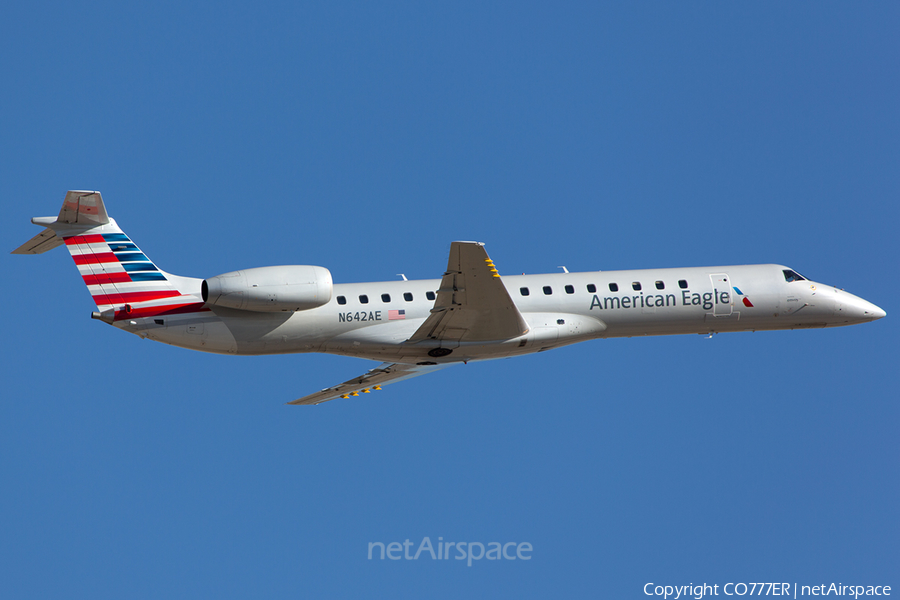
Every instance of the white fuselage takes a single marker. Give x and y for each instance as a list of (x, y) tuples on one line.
[(417, 327), (365, 319)]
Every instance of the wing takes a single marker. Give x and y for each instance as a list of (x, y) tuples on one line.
[(373, 380), (472, 304)]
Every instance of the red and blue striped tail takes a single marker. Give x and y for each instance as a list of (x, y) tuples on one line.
[(122, 279), (124, 283)]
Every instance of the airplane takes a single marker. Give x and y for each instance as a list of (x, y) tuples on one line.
[(471, 313)]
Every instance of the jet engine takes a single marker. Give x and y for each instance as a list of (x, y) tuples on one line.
[(270, 289)]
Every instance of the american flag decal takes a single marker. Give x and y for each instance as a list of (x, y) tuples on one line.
[(393, 315)]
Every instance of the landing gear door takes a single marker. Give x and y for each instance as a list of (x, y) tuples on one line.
[(723, 298)]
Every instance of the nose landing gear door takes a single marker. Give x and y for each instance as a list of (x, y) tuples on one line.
[(723, 298)]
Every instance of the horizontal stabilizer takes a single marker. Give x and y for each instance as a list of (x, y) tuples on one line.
[(45, 240), (80, 209)]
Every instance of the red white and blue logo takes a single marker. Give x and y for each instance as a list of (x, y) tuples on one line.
[(744, 298)]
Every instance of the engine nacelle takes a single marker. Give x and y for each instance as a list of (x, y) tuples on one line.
[(270, 289)]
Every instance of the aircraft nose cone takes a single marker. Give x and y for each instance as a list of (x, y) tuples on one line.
[(857, 309), (876, 312)]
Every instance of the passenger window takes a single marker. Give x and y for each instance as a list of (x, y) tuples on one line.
[(547, 290), (407, 296), (341, 300), (660, 285), (790, 276), (363, 299), (591, 288), (429, 295), (682, 283), (570, 289), (524, 291), (636, 286), (385, 297), (614, 287)]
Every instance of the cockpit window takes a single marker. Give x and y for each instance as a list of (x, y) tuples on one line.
[(790, 276)]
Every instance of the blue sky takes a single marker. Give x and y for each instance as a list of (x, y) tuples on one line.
[(365, 138)]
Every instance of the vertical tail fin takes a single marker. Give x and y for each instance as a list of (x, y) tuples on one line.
[(122, 280)]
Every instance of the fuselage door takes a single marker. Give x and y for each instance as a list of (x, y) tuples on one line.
[(723, 298)]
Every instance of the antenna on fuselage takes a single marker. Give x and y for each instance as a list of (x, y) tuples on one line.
[(403, 276), (565, 270)]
